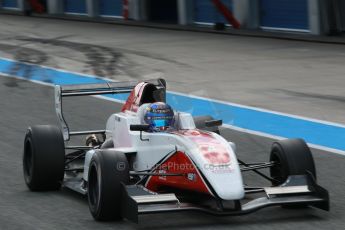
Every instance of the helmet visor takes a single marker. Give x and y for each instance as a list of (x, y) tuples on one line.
[(161, 123)]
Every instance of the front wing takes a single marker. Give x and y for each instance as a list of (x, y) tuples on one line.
[(297, 190)]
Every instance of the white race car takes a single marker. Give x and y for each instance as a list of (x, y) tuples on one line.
[(130, 170)]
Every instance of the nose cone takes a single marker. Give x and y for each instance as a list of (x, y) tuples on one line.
[(222, 171), (217, 161)]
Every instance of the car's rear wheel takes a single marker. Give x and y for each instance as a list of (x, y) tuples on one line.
[(107, 171), (107, 144), (43, 158), (292, 157)]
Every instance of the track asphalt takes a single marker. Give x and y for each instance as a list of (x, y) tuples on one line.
[(28, 104), (299, 78)]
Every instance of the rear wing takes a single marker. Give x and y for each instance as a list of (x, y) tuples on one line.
[(62, 91)]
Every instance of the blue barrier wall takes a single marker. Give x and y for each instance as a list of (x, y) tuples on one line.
[(206, 12), (111, 7), (289, 14), (9, 3), (75, 6)]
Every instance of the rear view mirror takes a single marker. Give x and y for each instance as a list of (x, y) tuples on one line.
[(159, 95), (213, 123), (139, 127)]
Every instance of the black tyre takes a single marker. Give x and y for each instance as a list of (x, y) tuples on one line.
[(293, 157), (107, 144), (107, 171), (43, 158), (200, 123)]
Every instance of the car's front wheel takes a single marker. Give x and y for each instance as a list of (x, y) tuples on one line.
[(291, 157), (107, 171)]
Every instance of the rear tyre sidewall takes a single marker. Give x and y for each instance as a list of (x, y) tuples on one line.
[(43, 158)]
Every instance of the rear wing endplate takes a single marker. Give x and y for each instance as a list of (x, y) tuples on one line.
[(62, 91)]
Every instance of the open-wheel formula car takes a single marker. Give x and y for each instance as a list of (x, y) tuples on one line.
[(130, 169)]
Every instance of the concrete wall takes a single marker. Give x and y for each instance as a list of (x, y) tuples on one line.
[(314, 17), (134, 9), (242, 12), (185, 12), (92, 7), (21, 4), (55, 7), (342, 14)]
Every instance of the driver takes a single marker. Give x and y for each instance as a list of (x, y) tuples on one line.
[(159, 115)]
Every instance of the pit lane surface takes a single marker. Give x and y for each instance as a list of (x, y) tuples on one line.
[(298, 78), (286, 76), (24, 103)]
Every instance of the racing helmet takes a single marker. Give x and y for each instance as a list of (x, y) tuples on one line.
[(159, 116)]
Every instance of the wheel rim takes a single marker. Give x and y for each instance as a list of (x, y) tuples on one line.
[(28, 162), (93, 188)]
